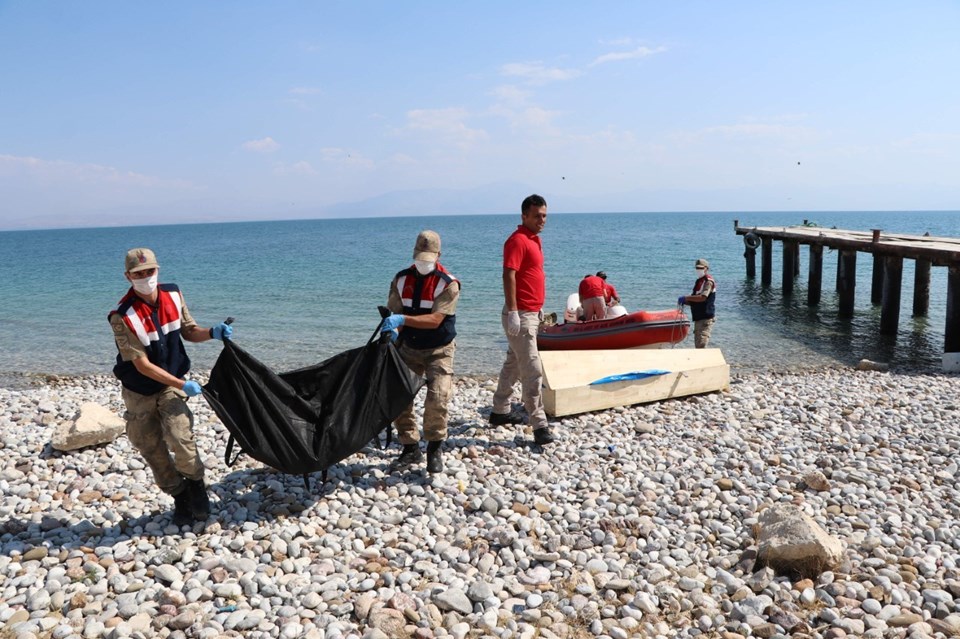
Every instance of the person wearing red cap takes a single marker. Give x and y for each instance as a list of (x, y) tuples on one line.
[(149, 326)]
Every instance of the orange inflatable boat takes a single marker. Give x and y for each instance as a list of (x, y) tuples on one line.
[(642, 329)]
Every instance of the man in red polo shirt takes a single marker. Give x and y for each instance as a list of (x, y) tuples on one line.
[(592, 300), (524, 290)]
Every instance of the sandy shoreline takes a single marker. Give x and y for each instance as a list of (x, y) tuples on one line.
[(638, 523)]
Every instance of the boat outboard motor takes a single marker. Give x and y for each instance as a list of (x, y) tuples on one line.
[(573, 311)]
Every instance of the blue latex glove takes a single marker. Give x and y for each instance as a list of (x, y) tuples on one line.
[(222, 331), (394, 334), (392, 322), (681, 300), (191, 388)]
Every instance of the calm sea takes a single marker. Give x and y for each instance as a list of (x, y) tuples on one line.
[(302, 291)]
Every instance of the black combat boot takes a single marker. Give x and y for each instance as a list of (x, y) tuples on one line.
[(543, 436), (499, 419), (409, 456), (182, 514), (199, 502), (434, 457)]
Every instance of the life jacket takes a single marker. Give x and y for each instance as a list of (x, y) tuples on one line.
[(703, 310), (158, 329), (417, 293)]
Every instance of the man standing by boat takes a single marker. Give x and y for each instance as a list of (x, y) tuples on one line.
[(524, 292), (702, 304), (423, 299), (149, 327)]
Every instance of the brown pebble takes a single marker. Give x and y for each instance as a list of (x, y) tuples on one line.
[(802, 585)]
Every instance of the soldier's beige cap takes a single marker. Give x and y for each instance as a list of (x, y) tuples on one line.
[(427, 247), (140, 259)]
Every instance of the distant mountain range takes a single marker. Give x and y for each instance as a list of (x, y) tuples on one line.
[(491, 198), (494, 198)]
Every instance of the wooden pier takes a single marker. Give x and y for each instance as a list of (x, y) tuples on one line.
[(888, 251)]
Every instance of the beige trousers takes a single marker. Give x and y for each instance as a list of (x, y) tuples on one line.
[(523, 365), (701, 332), (160, 426), (437, 365), (594, 308)]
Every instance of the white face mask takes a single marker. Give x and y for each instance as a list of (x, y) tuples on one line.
[(424, 267), (145, 286), (700, 273)]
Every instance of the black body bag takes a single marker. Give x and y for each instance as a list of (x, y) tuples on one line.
[(307, 420)]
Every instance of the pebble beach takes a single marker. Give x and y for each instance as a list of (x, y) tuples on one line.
[(638, 522)]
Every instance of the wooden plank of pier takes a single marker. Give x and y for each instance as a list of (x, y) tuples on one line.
[(888, 250)]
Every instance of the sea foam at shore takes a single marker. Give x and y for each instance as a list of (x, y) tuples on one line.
[(639, 522)]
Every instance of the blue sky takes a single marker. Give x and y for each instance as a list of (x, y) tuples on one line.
[(117, 113)]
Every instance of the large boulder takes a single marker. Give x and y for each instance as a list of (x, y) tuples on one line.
[(93, 425), (791, 542)]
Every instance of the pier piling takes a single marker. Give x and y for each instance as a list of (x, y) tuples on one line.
[(921, 288), (951, 341), (876, 288), (815, 275), (789, 264), (766, 261), (892, 281), (848, 281)]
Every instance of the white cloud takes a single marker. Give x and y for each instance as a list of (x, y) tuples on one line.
[(759, 130), (527, 117), (402, 159), (265, 145), (510, 94), (297, 103), (537, 73), (935, 144), (345, 157), (783, 129), (297, 168), (59, 171), (639, 52), (617, 42), (446, 123)]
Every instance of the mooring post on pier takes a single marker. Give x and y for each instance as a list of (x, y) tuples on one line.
[(921, 288), (815, 274), (892, 282), (766, 261), (847, 276), (749, 251), (951, 341), (876, 288)]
